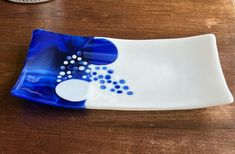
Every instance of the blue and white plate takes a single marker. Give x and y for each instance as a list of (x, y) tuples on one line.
[(105, 73)]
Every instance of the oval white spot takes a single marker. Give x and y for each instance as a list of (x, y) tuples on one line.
[(66, 62), (74, 56), (62, 73), (79, 58), (88, 70), (72, 61), (73, 90), (81, 68), (68, 72)]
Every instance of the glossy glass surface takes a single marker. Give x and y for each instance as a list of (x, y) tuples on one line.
[(53, 58)]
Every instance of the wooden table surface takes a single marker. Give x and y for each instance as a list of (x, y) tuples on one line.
[(27, 127)]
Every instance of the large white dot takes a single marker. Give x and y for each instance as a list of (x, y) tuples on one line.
[(73, 90), (68, 72), (79, 58), (85, 63)]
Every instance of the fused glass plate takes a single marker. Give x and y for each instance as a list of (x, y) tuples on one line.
[(104, 73)]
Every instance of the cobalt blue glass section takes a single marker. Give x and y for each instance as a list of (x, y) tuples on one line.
[(45, 59), (100, 52)]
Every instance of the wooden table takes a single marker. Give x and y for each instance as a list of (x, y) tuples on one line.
[(27, 127)]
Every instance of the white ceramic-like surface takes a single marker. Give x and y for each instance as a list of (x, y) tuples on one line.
[(165, 74)]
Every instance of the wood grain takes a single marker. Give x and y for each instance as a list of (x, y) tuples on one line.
[(28, 127)]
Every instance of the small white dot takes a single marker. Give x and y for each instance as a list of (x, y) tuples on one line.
[(70, 76), (59, 76), (66, 62), (74, 56), (62, 73), (81, 68), (58, 80), (90, 66), (79, 58), (85, 63), (68, 72), (72, 61), (84, 76), (88, 70)]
